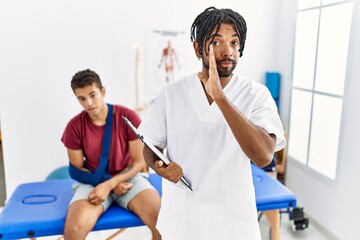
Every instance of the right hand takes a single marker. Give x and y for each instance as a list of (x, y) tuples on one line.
[(211, 79), (172, 172), (99, 194)]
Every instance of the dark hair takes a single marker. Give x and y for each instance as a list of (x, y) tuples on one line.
[(212, 18), (85, 78)]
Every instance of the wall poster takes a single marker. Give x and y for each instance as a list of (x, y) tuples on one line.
[(164, 60)]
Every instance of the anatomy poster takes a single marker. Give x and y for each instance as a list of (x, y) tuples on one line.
[(165, 56)]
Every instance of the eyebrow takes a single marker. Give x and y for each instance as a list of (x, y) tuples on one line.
[(80, 97)]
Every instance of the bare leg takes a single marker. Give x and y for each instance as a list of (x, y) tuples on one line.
[(146, 205), (273, 217), (81, 219)]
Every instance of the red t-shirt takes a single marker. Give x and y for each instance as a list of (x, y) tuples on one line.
[(81, 133)]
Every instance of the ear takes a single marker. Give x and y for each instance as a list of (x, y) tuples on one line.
[(103, 92), (196, 49)]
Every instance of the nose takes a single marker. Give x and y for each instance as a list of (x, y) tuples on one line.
[(226, 51), (88, 102)]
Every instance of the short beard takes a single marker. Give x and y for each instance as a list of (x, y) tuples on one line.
[(222, 72)]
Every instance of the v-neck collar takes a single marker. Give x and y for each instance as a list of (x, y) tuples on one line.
[(206, 111)]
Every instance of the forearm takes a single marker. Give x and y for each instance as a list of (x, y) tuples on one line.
[(256, 143), (150, 157), (76, 159), (83, 169), (126, 174)]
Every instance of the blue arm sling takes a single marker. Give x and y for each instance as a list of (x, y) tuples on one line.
[(101, 173)]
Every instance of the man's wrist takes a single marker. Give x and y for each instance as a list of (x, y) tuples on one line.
[(220, 98), (111, 183)]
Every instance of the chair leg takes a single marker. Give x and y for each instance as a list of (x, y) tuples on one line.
[(115, 234)]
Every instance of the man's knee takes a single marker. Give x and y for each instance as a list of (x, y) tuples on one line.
[(74, 228), (146, 204), (149, 196), (81, 218)]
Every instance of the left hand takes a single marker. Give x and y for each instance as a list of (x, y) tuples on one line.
[(99, 194), (122, 188), (211, 80), (172, 172)]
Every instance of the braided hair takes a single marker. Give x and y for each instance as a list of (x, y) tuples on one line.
[(85, 78), (212, 18)]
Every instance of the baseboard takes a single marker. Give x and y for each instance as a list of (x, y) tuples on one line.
[(323, 230)]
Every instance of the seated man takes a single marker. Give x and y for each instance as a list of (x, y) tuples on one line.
[(83, 138)]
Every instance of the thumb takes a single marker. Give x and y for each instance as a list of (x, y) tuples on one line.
[(128, 185), (159, 163), (202, 77)]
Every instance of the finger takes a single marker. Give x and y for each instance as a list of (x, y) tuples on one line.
[(91, 196), (128, 186), (92, 201), (175, 172), (159, 163), (202, 77), (213, 72), (212, 61)]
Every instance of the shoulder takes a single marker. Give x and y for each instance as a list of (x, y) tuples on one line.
[(183, 82), (73, 133), (78, 119), (120, 111), (250, 86)]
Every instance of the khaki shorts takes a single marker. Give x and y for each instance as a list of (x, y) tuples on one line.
[(140, 183)]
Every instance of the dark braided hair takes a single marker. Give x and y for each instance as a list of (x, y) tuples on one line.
[(212, 18), (85, 78)]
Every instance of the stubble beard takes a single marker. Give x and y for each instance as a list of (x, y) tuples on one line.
[(223, 73)]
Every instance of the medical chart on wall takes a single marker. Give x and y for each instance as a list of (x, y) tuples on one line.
[(164, 60)]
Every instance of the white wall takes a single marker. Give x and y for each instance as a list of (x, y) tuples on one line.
[(334, 205), (44, 43)]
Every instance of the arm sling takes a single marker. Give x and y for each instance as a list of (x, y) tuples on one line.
[(101, 173)]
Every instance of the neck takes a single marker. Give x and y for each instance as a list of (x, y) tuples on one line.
[(225, 80)]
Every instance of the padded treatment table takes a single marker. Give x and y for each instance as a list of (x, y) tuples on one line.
[(39, 209), (270, 193)]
